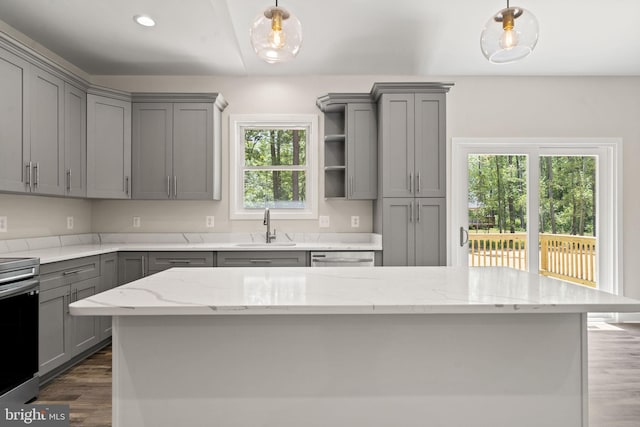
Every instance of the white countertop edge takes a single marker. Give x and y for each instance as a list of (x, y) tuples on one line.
[(88, 308)]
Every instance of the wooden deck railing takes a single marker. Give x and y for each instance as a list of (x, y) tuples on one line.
[(571, 258)]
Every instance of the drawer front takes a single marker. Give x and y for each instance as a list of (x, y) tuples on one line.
[(262, 259), (67, 272), (159, 261)]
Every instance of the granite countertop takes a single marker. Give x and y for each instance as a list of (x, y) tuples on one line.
[(61, 248), (348, 290)]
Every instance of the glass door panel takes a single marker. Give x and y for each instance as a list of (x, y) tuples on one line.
[(497, 210)]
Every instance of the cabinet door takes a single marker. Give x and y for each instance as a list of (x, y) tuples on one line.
[(193, 151), (131, 266), (46, 108), (362, 151), (108, 280), (397, 126), (53, 330), (75, 141), (84, 329), (14, 131), (152, 149), (398, 229), (430, 145), (430, 225), (108, 147)]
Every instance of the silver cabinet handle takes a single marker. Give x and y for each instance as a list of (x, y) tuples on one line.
[(343, 260), (66, 273), (75, 294), (417, 211), (410, 182), (126, 185), (28, 175), (410, 211), (69, 180), (143, 265), (36, 179), (68, 296), (168, 187), (418, 184), (175, 187), (179, 261), (260, 261)]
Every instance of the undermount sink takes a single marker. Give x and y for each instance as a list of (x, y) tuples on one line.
[(265, 245)]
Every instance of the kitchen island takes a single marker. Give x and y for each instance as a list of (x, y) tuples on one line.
[(401, 346)]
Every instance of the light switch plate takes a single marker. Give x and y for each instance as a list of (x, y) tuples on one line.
[(209, 221), (70, 223), (3, 224), (136, 222), (324, 221), (355, 221)]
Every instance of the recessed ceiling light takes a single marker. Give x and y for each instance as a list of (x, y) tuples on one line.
[(144, 20)]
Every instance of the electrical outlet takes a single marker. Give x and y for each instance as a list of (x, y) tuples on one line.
[(324, 221), (70, 223), (209, 221), (136, 222), (355, 221), (3, 224)]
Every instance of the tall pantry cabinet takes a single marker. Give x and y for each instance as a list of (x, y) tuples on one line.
[(410, 211)]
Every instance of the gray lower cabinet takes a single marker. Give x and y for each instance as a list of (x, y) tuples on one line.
[(414, 231), (262, 259), (75, 141), (62, 336), (159, 261), (108, 280), (176, 146), (108, 147), (132, 266)]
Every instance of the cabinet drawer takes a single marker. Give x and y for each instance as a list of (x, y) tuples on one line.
[(262, 259), (67, 272), (159, 261)]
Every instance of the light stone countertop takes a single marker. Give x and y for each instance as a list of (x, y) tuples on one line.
[(348, 290), (62, 248)]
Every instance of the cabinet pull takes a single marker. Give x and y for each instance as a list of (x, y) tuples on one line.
[(36, 179), (28, 173), (410, 211), (179, 261), (464, 236), (418, 183), (175, 187), (68, 296), (75, 295), (66, 273), (143, 265), (126, 185), (168, 187), (410, 182), (260, 261), (417, 211), (69, 180)]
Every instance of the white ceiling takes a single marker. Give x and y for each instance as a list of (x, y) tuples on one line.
[(401, 37)]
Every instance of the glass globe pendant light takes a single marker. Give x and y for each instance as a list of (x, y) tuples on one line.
[(276, 35), (509, 36)]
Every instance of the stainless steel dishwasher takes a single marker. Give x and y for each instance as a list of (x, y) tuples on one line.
[(343, 259)]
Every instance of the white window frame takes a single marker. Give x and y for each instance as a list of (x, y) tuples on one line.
[(609, 203), (238, 122)]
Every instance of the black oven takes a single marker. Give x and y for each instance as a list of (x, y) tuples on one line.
[(19, 289)]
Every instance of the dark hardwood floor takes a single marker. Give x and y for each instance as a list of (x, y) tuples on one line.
[(614, 383)]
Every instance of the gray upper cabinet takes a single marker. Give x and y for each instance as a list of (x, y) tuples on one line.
[(75, 141), (46, 149), (108, 147), (350, 145), (31, 128), (412, 140), (177, 146), (14, 131)]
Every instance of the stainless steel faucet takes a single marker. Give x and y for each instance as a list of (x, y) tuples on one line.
[(267, 221)]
